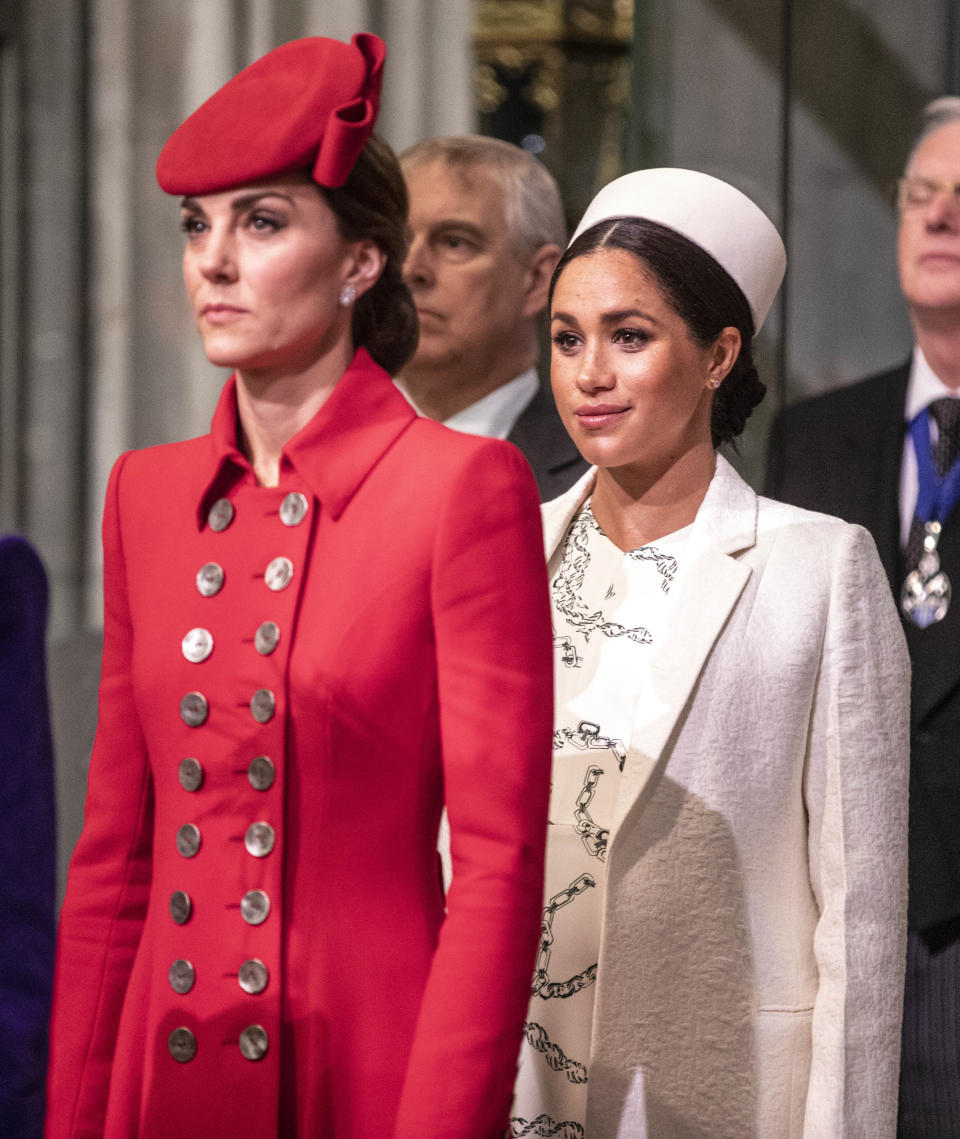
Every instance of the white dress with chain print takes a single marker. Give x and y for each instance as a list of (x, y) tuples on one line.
[(609, 610)]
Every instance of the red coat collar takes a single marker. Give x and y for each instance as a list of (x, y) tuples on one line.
[(360, 421)]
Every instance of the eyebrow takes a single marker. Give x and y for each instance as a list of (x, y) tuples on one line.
[(626, 313), (243, 202), (466, 227), (610, 317)]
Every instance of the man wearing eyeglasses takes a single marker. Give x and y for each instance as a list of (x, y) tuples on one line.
[(885, 453)]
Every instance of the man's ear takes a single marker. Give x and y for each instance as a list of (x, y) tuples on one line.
[(542, 264)]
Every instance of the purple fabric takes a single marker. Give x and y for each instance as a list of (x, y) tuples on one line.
[(27, 841)]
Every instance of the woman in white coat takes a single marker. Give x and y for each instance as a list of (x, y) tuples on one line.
[(723, 930)]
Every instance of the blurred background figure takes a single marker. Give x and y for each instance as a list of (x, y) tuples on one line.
[(884, 452), (487, 228), (26, 841)]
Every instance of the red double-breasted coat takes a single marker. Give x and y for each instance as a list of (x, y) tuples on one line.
[(254, 942)]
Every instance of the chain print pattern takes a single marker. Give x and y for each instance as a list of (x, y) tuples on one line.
[(569, 656), (594, 837), (543, 1125), (542, 985), (567, 584), (552, 1053), (595, 596), (587, 736), (666, 565)]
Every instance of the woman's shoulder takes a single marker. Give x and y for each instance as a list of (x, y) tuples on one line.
[(807, 535), (183, 457), (775, 515), (773, 512), (164, 477), (440, 453)]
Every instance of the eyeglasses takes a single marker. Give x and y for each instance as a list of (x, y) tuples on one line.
[(912, 192)]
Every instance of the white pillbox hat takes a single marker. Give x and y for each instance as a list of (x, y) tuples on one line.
[(712, 214)]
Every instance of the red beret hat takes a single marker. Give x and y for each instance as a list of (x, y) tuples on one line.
[(309, 104)]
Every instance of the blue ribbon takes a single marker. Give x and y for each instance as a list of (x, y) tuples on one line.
[(936, 496)]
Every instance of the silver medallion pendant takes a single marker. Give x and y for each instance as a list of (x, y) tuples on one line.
[(925, 597)]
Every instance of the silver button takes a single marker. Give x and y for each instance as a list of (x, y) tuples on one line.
[(182, 1045), (261, 773), (190, 774), (254, 907), (221, 514), (182, 977), (253, 1042), (194, 709), (180, 907), (260, 839), (188, 840), (263, 703), (293, 509), (210, 579), (197, 645), (266, 638), (253, 976), (278, 575)]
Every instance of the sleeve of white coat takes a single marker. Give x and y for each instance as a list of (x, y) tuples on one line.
[(856, 794)]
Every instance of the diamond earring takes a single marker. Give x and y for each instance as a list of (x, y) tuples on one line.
[(348, 294)]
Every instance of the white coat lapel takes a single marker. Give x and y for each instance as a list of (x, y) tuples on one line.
[(707, 590), (558, 513)]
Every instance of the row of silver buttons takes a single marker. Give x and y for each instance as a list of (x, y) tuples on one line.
[(197, 644), (260, 772), (252, 978), (260, 838), (195, 707), (253, 1043), (254, 907), (293, 510)]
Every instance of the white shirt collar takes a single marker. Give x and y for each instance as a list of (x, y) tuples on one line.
[(496, 413), (924, 386)]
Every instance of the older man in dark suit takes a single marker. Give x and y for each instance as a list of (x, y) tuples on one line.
[(488, 230), (884, 452)]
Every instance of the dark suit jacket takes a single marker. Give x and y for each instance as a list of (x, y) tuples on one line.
[(541, 436), (841, 453)]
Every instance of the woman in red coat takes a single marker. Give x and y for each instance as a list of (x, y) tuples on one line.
[(310, 646)]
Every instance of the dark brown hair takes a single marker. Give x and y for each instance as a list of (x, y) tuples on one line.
[(701, 292), (372, 204)]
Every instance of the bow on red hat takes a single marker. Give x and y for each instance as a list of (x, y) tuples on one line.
[(307, 105)]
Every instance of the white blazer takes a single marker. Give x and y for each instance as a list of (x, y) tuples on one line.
[(753, 939)]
